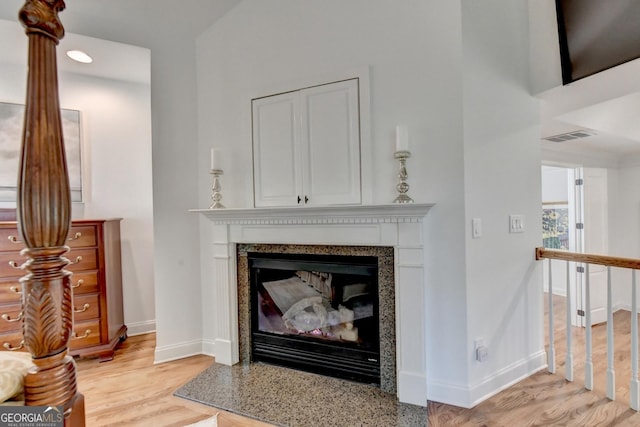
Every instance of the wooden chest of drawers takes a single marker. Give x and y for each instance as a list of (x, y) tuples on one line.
[(98, 317)]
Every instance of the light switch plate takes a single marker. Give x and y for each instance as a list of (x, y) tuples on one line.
[(516, 223)]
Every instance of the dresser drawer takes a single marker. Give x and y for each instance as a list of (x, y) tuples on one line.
[(79, 237), (86, 307), (7, 237), (6, 270), (82, 236), (82, 282), (85, 334), (10, 291), (11, 341), (10, 320), (82, 259)]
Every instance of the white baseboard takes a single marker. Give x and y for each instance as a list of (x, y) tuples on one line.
[(141, 328), (468, 397), (209, 348), (177, 351)]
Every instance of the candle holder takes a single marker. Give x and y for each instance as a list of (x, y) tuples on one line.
[(216, 189), (403, 186)]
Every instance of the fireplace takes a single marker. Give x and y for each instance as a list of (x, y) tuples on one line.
[(391, 233), (317, 313), (326, 309)]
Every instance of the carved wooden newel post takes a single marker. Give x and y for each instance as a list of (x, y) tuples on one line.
[(44, 217)]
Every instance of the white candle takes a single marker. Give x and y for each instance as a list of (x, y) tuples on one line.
[(216, 160), (402, 138)]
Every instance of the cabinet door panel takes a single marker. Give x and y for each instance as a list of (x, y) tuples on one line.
[(331, 143), (275, 155)]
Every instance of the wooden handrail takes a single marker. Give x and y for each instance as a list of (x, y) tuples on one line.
[(609, 261)]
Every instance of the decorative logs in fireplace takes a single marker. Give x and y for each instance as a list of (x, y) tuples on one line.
[(318, 313)]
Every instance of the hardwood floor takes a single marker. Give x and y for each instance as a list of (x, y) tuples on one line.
[(132, 391), (546, 399)]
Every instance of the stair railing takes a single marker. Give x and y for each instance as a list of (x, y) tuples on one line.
[(609, 262)]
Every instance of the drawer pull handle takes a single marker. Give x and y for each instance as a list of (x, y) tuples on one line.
[(76, 261), (8, 318), (8, 346), (75, 236), (15, 289), (15, 265), (86, 334), (14, 239), (78, 284), (81, 310)]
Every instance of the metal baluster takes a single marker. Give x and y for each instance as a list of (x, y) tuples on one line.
[(634, 387), (588, 364), (551, 357), (569, 359), (611, 373)]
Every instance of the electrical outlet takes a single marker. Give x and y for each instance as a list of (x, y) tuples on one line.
[(476, 228), (482, 352)]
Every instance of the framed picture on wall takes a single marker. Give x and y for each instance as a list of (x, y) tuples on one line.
[(11, 121)]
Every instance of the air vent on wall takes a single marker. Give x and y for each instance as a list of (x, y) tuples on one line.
[(570, 136)]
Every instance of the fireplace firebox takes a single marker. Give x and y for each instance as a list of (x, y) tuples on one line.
[(316, 312)]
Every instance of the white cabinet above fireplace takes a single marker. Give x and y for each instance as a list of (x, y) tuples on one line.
[(306, 146)]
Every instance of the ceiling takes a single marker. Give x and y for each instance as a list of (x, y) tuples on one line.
[(605, 103), (93, 27), (136, 22)]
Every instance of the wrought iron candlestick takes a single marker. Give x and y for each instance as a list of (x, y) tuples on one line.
[(216, 189), (402, 186)]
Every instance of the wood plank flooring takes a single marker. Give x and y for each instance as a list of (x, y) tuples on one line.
[(546, 399), (132, 391)]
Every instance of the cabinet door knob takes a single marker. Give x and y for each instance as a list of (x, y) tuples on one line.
[(306, 200), (299, 199)]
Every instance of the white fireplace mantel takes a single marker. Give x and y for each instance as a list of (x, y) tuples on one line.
[(398, 226), (410, 212)]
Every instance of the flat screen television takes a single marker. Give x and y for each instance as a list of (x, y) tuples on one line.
[(596, 35)]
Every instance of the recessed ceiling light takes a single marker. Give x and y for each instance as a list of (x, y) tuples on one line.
[(80, 56)]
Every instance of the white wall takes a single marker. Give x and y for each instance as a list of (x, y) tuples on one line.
[(116, 154), (502, 177), (624, 227), (175, 191), (546, 71), (480, 131), (414, 59)]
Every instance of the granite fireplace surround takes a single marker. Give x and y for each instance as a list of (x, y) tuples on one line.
[(386, 298), (382, 229)]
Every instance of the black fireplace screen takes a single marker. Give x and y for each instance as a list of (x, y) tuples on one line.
[(317, 313)]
